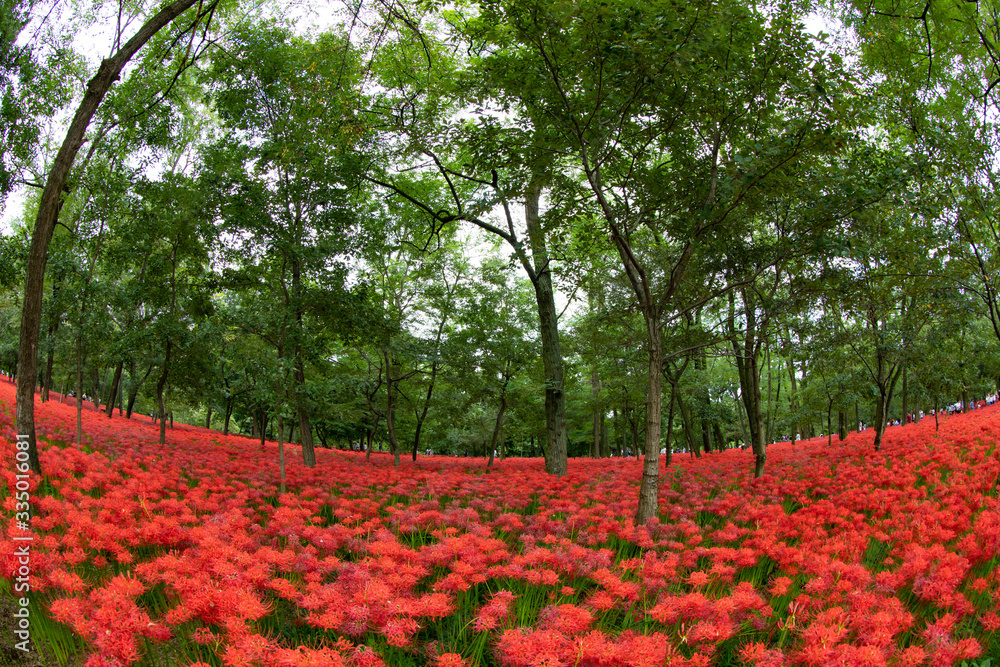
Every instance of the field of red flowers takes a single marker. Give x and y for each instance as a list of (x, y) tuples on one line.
[(187, 554)]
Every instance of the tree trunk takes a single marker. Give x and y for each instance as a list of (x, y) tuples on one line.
[(499, 422), (706, 442), (423, 413), (371, 439), (749, 374), (720, 441), (670, 425), (605, 438), (906, 401), (829, 423), (229, 414), (687, 421), (552, 361), (79, 390), (99, 387), (390, 410), (595, 387), (160, 384), (305, 430), (793, 399), (704, 402), (649, 488), (48, 211), (208, 417), (748, 368), (50, 358), (134, 392), (634, 431), (281, 452), (886, 387), (115, 388)]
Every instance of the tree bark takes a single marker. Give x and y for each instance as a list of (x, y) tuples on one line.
[(423, 412), (160, 384), (720, 442), (48, 211), (886, 387), (499, 422), (552, 360), (748, 368), (98, 392), (281, 453), (687, 419), (299, 374), (595, 386), (649, 487), (115, 388), (390, 410), (134, 393), (793, 398), (50, 358), (79, 390), (670, 426), (906, 401)]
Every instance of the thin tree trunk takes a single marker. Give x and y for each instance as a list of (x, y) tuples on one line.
[(886, 389), (305, 430), (687, 419), (99, 384), (649, 487), (79, 390), (115, 388), (720, 443), (906, 401), (62, 395), (390, 411), (748, 368), (500, 413), (829, 423), (50, 358), (595, 386), (498, 424), (160, 384), (793, 400), (371, 439), (134, 393), (552, 361), (281, 451), (670, 425), (423, 413), (605, 438)]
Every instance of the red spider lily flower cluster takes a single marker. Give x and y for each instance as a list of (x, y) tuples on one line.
[(838, 556)]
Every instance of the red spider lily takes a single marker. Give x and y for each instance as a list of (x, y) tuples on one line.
[(837, 557)]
